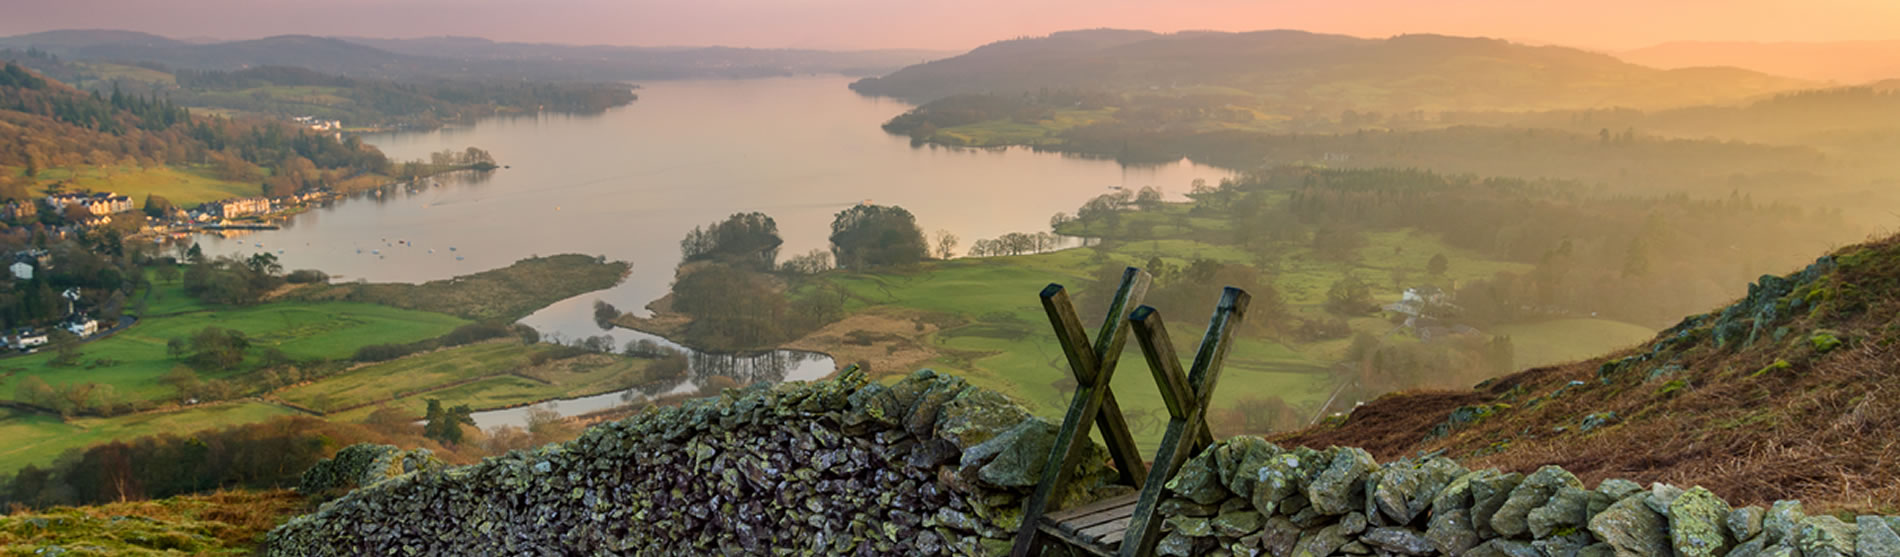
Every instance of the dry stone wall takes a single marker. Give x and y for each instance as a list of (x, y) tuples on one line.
[(926, 466), (1246, 496)]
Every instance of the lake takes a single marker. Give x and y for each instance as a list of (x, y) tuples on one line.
[(630, 182)]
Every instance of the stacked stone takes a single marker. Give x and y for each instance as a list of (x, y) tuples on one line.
[(926, 466), (1246, 496)]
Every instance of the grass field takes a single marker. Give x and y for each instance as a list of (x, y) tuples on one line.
[(167, 297), (183, 185), (510, 381), (416, 374), (995, 133), (38, 438), (303, 330)]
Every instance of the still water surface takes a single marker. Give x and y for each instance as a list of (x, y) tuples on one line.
[(629, 183)]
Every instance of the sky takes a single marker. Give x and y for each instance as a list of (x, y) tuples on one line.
[(963, 24)]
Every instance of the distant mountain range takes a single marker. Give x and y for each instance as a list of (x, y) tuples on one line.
[(1846, 62), (461, 57), (1297, 68)]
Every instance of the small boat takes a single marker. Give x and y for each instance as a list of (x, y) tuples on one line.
[(431, 251), (376, 251), (359, 250), (458, 258), (451, 248)]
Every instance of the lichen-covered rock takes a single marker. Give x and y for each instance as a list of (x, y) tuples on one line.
[(1175, 545), (1016, 457), (1697, 524), (1399, 540), (1565, 545), (1234, 524), (1512, 518), (1633, 529), (1661, 496), (1782, 520), (1877, 537), (1191, 526), (1322, 541), (1451, 532), (1504, 548), (1617, 488), (1281, 536), (1405, 489), (1825, 536), (1333, 492), (1752, 548), (1567, 511), (1280, 477), (1488, 493), (1242, 461), (1199, 480), (1745, 523), (1354, 523), (362, 465)]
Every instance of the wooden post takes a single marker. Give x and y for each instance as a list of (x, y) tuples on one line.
[(1187, 405), (1093, 403)]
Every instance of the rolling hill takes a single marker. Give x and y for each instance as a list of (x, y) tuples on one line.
[(1323, 72), (1781, 395)]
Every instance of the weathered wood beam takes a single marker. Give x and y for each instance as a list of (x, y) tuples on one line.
[(1143, 528)]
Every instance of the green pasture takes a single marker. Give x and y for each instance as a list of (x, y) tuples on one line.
[(37, 438), (133, 360)]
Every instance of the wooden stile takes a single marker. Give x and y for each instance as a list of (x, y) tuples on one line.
[(1126, 525)]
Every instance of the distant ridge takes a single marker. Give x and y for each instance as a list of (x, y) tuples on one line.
[(1421, 71), (463, 57), (1846, 62)]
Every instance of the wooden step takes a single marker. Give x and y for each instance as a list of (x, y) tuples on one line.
[(1096, 527)]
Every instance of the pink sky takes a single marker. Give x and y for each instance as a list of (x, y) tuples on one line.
[(961, 24)]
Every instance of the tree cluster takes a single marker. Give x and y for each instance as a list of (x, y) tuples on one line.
[(746, 239)]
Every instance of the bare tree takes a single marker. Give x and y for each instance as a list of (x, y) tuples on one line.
[(946, 244)]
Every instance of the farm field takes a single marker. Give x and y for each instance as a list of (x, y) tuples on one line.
[(183, 185), (37, 438), (133, 360)]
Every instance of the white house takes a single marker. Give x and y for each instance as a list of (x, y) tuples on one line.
[(22, 270), (83, 326), (26, 339)]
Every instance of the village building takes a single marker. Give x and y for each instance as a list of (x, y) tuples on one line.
[(27, 339), (21, 270), (19, 211), (232, 208), (96, 203), (82, 326)]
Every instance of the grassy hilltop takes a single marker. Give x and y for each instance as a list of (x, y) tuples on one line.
[(1776, 396)]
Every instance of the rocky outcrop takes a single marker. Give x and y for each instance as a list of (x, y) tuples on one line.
[(1303, 502), (361, 465), (926, 466)]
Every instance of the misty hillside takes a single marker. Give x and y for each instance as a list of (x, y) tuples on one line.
[(1780, 395), (316, 53), (1407, 72), (1845, 61), (461, 57)]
